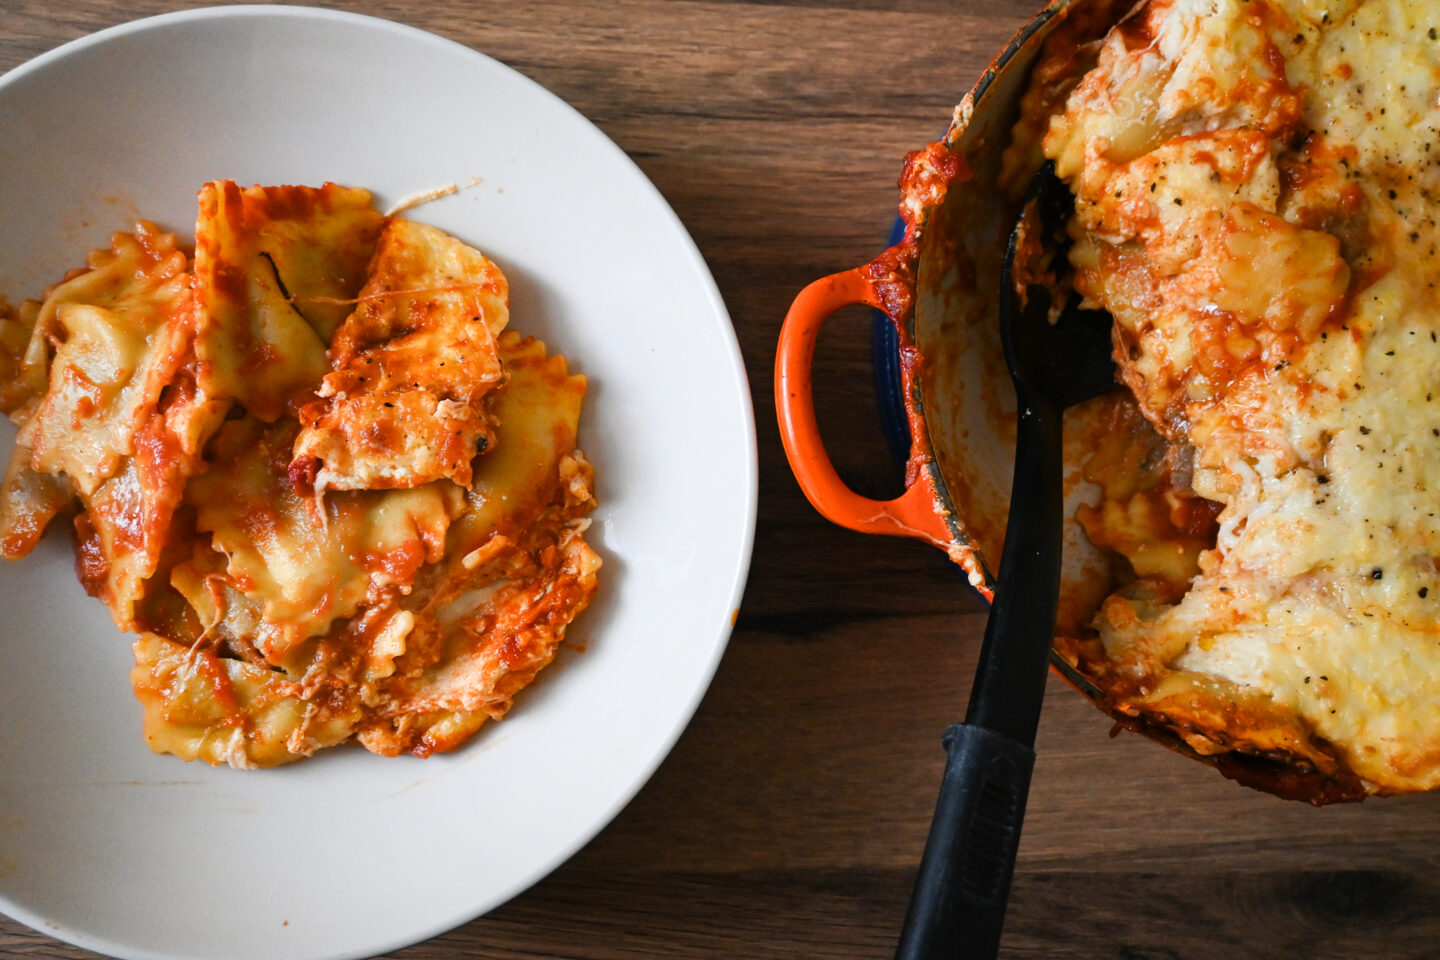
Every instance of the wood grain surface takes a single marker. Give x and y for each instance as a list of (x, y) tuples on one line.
[(789, 818)]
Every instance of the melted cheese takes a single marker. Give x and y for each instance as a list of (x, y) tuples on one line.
[(306, 563), (413, 366), (539, 416), (416, 670), (275, 268), (517, 571), (22, 358), (118, 333), (29, 500), (1267, 245), (495, 647), (122, 422), (202, 707), (199, 420)]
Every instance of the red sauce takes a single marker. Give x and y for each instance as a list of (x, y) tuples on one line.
[(1137, 33), (400, 564), (926, 175), (383, 436), (90, 397), (157, 450), (301, 474), (258, 521), (512, 651), (223, 689), (90, 563), (228, 280), (262, 354), (893, 276), (1196, 517)]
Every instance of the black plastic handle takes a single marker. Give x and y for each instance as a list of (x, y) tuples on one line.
[(1015, 656), (958, 907), (958, 910)]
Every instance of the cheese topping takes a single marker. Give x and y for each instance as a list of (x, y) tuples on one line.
[(334, 497), (412, 367), (1256, 187)]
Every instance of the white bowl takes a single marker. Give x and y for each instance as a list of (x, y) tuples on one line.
[(106, 845)]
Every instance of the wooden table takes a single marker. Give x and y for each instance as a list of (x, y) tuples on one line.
[(789, 819)]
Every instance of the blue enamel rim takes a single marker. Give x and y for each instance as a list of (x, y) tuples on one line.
[(889, 389)]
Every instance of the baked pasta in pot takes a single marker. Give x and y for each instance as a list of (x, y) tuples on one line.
[(1257, 184), (312, 469)]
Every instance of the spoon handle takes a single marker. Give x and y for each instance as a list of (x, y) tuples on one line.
[(1015, 656), (957, 910)]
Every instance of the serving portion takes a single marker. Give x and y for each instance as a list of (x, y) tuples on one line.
[(96, 822), (331, 492), (1251, 538), (1256, 203)]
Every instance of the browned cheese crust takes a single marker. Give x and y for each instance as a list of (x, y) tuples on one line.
[(1256, 189)]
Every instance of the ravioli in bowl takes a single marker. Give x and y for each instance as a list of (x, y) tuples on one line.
[(311, 468)]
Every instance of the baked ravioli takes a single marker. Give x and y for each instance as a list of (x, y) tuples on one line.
[(311, 468), (1257, 184)]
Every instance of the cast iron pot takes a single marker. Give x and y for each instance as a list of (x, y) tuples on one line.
[(939, 286)]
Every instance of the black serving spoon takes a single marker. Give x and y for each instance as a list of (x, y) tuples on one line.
[(958, 907)]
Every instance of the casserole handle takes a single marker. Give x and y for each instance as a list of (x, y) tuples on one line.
[(912, 514)]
